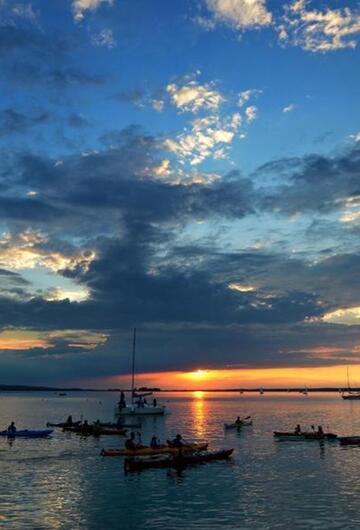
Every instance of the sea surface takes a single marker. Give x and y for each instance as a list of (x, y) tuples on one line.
[(64, 483)]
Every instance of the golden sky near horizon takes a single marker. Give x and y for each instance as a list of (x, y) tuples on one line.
[(334, 376)]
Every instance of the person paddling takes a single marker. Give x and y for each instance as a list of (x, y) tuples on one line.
[(238, 421)]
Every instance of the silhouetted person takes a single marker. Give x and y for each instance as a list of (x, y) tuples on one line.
[(154, 402), (12, 428)]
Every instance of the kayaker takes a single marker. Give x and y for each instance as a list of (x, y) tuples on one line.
[(154, 402), (69, 421), (12, 428), (238, 421), (179, 444), (130, 443), (297, 429), (154, 444), (178, 441), (320, 431)]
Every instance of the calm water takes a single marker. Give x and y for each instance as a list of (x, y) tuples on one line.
[(63, 483)]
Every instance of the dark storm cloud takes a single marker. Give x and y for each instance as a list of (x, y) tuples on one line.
[(313, 183), (111, 200), (12, 121)]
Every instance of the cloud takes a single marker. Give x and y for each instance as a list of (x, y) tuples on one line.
[(319, 31), (206, 137), (246, 95), (191, 97), (29, 249), (289, 108), (81, 6), (238, 14), (104, 39), (15, 122), (251, 113), (30, 56), (314, 183)]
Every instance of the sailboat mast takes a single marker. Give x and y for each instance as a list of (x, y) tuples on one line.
[(133, 368)]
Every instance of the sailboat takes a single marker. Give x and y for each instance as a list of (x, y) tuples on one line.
[(349, 394), (138, 405)]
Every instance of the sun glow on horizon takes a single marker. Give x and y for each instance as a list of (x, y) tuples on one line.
[(203, 380)]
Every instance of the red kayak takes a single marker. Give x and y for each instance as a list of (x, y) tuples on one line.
[(138, 464), (94, 430)]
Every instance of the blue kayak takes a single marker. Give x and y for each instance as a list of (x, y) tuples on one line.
[(27, 434)]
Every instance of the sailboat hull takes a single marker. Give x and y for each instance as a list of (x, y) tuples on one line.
[(140, 411)]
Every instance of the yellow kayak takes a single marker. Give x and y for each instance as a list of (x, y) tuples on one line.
[(148, 451)]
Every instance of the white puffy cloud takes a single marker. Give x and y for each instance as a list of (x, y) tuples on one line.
[(80, 6), (104, 39), (191, 97), (238, 14), (251, 113), (319, 31), (30, 249), (204, 139), (289, 108), (246, 95)]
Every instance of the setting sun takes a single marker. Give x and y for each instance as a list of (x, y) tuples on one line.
[(198, 374)]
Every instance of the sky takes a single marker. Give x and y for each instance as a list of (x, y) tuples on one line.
[(191, 168)]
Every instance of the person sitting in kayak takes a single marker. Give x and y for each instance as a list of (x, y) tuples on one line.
[(178, 441), (320, 431), (130, 444), (11, 429), (69, 421), (154, 444), (297, 429), (238, 421)]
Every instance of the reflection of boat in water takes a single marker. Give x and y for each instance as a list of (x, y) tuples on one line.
[(139, 405), (349, 393)]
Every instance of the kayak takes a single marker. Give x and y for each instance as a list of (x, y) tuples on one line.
[(88, 430), (138, 464), (148, 451), (63, 424), (349, 440), (27, 434), (244, 423), (307, 436)]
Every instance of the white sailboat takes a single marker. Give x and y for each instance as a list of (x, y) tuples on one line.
[(349, 394), (139, 405)]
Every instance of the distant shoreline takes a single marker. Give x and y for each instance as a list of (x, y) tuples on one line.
[(28, 388)]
